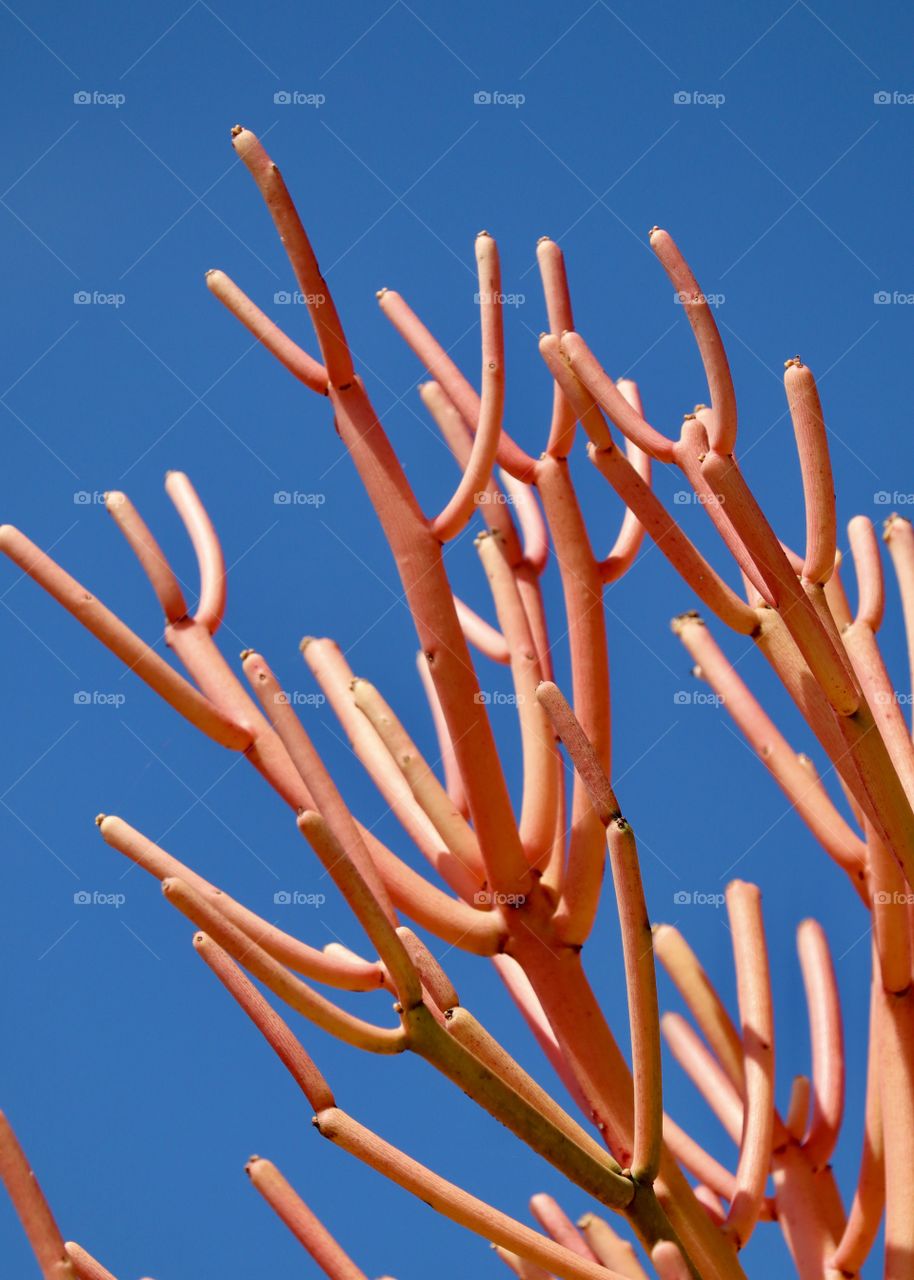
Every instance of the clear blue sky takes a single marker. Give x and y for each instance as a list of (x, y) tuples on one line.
[(137, 1087)]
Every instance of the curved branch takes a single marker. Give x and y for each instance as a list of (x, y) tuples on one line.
[(868, 568), (558, 310), (456, 515), (827, 1040), (815, 466), (207, 547), (150, 555)]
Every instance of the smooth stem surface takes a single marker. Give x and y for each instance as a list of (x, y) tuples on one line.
[(31, 1207)]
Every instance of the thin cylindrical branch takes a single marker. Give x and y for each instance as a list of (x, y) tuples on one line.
[(271, 1026), (693, 1157), (705, 1005), (473, 1036), (345, 973), (801, 787), (669, 1262), (321, 309), (481, 634), (722, 436), (453, 829), (815, 466), (453, 781), (150, 555), (327, 799), (797, 1118), (445, 372), (753, 986), (365, 906), (458, 1205), (289, 354), (435, 981), (556, 1223), (541, 763), (124, 643), (869, 668), (523, 1269), (301, 1221), (610, 1249), (473, 483), (31, 1207), (586, 369), (899, 538), (295, 993), (827, 1040), (866, 1210), (896, 1083), (868, 568), (829, 667), (84, 1265), (207, 548), (630, 537), (561, 320), (637, 943), (705, 1072)]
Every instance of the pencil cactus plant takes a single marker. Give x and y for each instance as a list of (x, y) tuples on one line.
[(522, 889)]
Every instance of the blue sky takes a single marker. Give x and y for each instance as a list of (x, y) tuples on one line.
[(785, 176)]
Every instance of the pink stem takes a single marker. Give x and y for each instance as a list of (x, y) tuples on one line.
[(207, 547), (631, 533), (323, 313), (31, 1207), (150, 555), (540, 760), (896, 1082), (815, 466), (304, 1225), (899, 537), (458, 1205), (435, 981), (556, 1223), (452, 780), (868, 568), (713, 356), (805, 794), (302, 366), (442, 368), (478, 471), (753, 987), (347, 975), (481, 634), (706, 1074), (669, 1262), (797, 1117), (295, 993), (558, 310), (122, 642), (271, 1026), (84, 1265), (585, 367), (610, 1248), (827, 1042)]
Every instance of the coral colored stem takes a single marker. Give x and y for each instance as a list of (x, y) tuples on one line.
[(610, 1249), (207, 547), (302, 366), (346, 975), (296, 994), (268, 1022), (304, 1225), (707, 337), (490, 643), (815, 466), (558, 310), (122, 642), (31, 1207), (868, 568), (896, 1081), (556, 1223), (478, 471), (149, 553), (753, 986), (458, 1205), (84, 1265), (899, 538), (827, 1040)]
